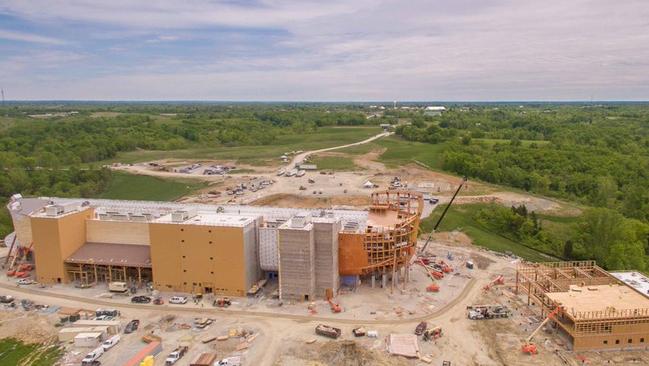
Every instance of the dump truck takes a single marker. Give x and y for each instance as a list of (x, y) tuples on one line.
[(327, 331)]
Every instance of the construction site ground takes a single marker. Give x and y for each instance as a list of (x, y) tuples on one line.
[(324, 189), (283, 332)]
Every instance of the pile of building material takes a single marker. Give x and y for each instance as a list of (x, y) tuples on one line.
[(403, 345)]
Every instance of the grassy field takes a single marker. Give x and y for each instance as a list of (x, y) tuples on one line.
[(13, 352), (461, 218), (258, 154), (141, 187), (338, 163), (400, 152)]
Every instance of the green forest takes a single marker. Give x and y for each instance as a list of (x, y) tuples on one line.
[(54, 155), (594, 155)]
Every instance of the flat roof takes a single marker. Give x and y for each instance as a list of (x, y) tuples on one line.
[(159, 209), (637, 280), (211, 219), (128, 255), (26, 206), (599, 298), (383, 218)]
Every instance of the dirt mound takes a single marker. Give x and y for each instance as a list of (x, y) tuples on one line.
[(341, 353), (349, 353), (298, 201), (453, 238), (27, 328)]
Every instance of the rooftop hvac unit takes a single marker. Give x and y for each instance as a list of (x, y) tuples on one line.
[(119, 217), (53, 210), (183, 215), (351, 226), (299, 221), (70, 207), (138, 218)]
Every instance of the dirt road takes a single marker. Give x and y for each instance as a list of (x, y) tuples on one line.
[(297, 159)]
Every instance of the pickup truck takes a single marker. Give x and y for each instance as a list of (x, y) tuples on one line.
[(176, 355)]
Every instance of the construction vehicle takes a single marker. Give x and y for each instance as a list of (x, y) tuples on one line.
[(176, 355), (439, 221), (529, 347), (119, 287), (327, 331), (480, 312), (222, 302), (444, 267), (500, 280), (335, 308), (433, 287), (359, 332), (432, 334), (421, 328)]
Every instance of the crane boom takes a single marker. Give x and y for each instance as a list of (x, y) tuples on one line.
[(423, 249), (552, 314)]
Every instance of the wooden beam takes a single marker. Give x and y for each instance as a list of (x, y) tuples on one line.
[(583, 273)]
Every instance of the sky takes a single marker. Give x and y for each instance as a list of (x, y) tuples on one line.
[(334, 50)]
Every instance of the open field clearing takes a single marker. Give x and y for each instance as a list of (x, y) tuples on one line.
[(259, 154), (130, 187), (333, 161)]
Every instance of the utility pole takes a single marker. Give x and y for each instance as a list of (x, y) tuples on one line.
[(2, 91)]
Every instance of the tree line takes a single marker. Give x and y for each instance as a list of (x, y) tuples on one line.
[(594, 155)]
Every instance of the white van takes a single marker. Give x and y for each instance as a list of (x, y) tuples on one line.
[(93, 356), (110, 342)]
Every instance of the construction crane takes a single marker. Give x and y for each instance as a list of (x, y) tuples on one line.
[(464, 180), (529, 347)]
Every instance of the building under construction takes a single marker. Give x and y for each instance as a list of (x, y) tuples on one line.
[(222, 249), (595, 309)]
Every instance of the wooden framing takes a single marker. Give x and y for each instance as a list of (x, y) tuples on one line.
[(610, 327), (391, 248)]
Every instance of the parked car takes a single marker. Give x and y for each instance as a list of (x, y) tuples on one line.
[(131, 326), (421, 327), (141, 299), (6, 299), (110, 342), (433, 200), (92, 356), (25, 281), (230, 361), (178, 300)]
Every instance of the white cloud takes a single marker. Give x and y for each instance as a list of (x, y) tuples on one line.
[(369, 50), (28, 37)]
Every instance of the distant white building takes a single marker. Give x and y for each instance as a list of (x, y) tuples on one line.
[(434, 110)]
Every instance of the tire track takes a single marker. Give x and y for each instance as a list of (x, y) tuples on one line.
[(441, 311)]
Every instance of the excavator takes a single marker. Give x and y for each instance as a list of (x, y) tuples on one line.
[(529, 347), (500, 280)]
